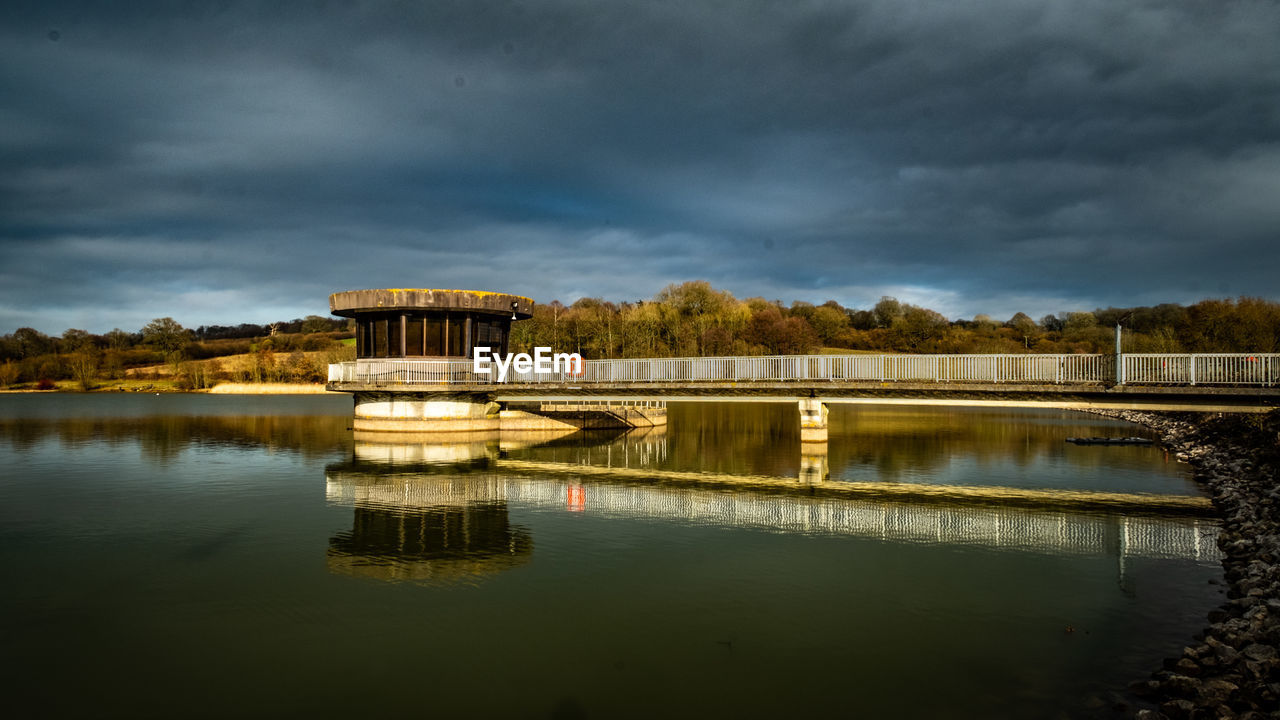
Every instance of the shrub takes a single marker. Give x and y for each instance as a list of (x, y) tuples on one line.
[(193, 375), (315, 342), (8, 373)]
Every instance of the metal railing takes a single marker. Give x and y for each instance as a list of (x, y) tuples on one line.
[(1202, 369), (1163, 369)]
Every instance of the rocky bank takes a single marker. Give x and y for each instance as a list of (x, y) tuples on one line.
[(1231, 669)]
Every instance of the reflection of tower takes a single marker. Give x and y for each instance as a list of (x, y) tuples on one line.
[(434, 544), (427, 507), (433, 451), (422, 514)]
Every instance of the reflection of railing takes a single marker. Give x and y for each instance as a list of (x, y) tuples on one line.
[(1195, 369), (1007, 528)]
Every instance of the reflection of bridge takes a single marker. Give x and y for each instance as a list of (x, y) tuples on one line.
[(1069, 500), (795, 509), (994, 527), (427, 508)]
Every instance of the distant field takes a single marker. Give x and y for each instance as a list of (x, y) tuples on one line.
[(125, 385), (267, 389)]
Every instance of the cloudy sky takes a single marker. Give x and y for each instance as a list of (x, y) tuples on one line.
[(237, 162)]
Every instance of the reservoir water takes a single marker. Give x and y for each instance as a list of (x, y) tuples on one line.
[(221, 556)]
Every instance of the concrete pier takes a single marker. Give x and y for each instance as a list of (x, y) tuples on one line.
[(425, 412), (403, 411), (813, 420)]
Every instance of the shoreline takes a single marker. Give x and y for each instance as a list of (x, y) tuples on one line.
[(220, 389), (266, 389), (1231, 667)]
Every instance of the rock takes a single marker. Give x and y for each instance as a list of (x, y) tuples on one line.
[(1217, 691), (1178, 709), (1257, 669), (1234, 671), (1186, 666), (1182, 685), (1225, 654), (1260, 652)]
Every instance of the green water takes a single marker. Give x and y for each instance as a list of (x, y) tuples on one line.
[(214, 556)]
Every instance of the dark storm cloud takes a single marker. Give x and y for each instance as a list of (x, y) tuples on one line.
[(238, 162)]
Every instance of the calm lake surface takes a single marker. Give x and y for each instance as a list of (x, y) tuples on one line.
[(215, 556)]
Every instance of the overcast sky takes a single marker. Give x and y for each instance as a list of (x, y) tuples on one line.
[(241, 162)]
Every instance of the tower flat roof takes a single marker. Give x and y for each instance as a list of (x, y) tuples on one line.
[(354, 302)]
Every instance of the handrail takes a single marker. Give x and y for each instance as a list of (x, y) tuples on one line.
[(1138, 368), (1202, 368)]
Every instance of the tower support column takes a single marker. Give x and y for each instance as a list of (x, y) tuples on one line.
[(425, 412)]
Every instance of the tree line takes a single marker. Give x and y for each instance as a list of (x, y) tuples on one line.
[(190, 357), (696, 319), (682, 320)]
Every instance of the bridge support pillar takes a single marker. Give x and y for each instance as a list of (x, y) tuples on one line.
[(813, 421), (425, 412)]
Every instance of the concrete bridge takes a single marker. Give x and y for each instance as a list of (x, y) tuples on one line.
[(417, 353), (403, 389)]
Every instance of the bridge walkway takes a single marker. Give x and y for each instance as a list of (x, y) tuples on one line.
[(423, 389)]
